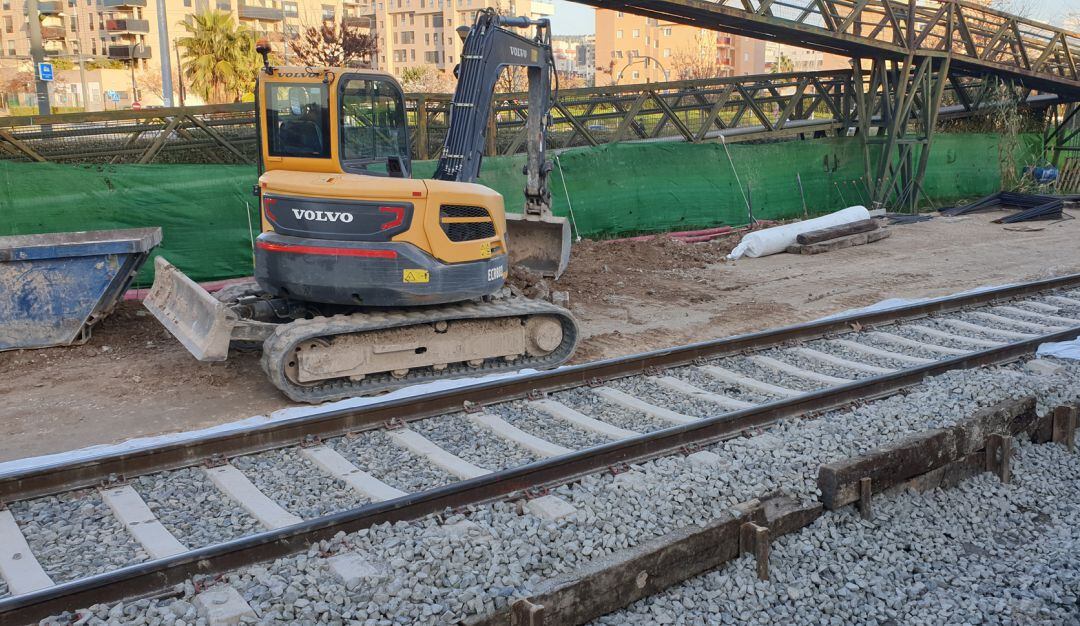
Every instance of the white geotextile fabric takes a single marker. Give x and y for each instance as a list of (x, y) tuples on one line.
[(281, 415), (777, 239), (1061, 350)]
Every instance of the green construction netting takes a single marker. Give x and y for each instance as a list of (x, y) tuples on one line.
[(204, 210)]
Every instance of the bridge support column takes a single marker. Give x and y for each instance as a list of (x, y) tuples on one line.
[(897, 104), (1063, 127)]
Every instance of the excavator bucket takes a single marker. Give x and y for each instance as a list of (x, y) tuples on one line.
[(202, 323), (539, 242)]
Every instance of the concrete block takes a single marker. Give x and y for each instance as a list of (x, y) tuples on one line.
[(355, 570), (703, 458), (222, 606), (551, 508), (1042, 367)]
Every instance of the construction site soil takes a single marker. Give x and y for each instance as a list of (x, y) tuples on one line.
[(132, 379)]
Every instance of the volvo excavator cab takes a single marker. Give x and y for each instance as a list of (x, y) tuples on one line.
[(367, 279), (342, 221)]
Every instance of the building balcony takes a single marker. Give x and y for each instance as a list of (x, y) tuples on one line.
[(123, 4), (51, 7), (52, 33), (266, 14), (359, 21), (127, 26), (129, 52)]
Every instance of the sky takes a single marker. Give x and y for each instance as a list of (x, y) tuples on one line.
[(577, 19)]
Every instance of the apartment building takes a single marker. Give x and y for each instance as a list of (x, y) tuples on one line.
[(781, 57), (635, 49), (410, 33), (414, 33), (575, 55)]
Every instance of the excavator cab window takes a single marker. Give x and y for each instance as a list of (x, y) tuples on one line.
[(298, 121), (374, 135)]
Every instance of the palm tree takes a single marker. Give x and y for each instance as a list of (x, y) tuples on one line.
[(219, 58)]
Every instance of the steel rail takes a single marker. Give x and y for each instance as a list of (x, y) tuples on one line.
[(90, 472), (157, 576)]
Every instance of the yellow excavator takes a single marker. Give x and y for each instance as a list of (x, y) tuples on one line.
[(367, 279)]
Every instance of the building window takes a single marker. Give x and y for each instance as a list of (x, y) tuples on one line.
[(8, 28), (667, 32), (436, 21), (187, 3), (328, 12), (636, 33), (667, 52), (74, 23), (618, 34), (619, 14), (224, 5), (636, 75), (412, 53), (408, 37), (291, 10)]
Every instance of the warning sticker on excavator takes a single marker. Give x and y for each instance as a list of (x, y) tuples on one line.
[(416, 276), (485, 250)]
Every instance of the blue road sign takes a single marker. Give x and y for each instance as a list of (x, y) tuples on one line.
[(45, 71), (113, 95)]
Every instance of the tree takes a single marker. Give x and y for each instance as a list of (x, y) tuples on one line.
[(218, 57), (425, 79), (784, 65), (334, 45), (698, 62)]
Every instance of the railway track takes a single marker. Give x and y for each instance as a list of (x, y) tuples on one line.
[(135, 523)]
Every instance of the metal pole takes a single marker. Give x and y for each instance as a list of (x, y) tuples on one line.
[(179, 72), (166, 60), (82, 79), (134, 89), (37, 54)]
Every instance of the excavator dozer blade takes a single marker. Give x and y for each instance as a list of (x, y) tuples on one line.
[(202, 323), (539, 242)]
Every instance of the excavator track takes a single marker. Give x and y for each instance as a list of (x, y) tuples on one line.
[(280, 349)]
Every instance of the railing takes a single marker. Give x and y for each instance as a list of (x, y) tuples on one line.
[(977, 38), (769, 106)]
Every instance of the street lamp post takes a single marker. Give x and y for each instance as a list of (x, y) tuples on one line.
[(640, 58), (166, 60), (37, 54)]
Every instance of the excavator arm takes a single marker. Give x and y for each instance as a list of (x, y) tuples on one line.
[(537, 239)]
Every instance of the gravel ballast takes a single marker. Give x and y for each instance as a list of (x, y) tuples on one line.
[(547, 427), (585, 401), (432, 575), (195, 511), (375, 453), (297, 484), (457, 435), (982, 552), (74, 535)]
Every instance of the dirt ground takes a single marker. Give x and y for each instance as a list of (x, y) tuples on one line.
[(133, 379)]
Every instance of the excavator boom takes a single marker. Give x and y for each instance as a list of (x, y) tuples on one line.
[(537, 238)]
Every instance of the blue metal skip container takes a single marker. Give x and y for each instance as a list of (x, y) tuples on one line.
[(54, 287)]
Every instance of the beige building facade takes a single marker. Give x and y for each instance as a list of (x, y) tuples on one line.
[(635, 49), (411, 33)]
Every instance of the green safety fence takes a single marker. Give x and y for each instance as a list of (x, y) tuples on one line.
[(208, 214)]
